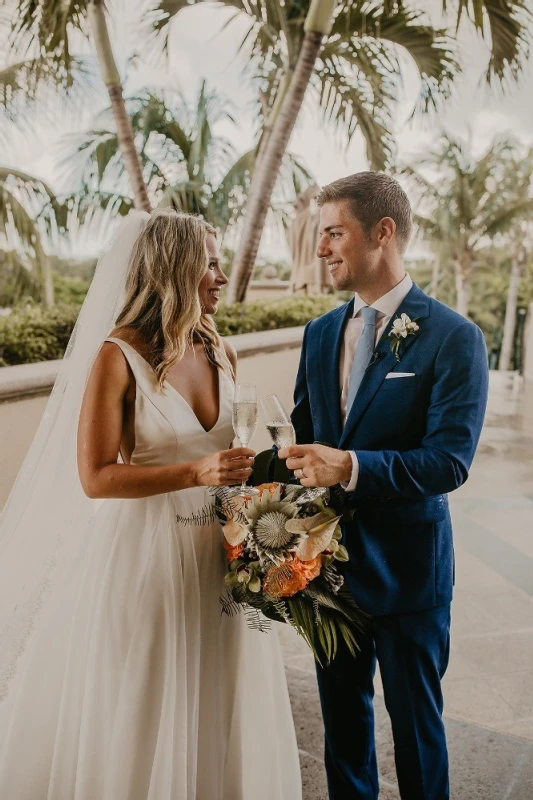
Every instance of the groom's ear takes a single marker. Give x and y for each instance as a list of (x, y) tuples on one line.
[(384, 232)]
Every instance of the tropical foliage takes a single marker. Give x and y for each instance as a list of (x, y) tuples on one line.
[(470, 202), (490, 290), (28, 212), (357, 77), (43, 32), (186, 163), (346, 35)]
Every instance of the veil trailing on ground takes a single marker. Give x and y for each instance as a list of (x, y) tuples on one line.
[(47, 512)]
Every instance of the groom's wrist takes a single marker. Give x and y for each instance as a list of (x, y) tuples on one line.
[(351, 482)]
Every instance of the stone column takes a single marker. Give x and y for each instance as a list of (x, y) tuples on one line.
[(528, 345)]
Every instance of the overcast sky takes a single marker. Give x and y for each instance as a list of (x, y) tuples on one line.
[(198, 50)]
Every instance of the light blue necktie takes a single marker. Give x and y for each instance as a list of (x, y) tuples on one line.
[(363, 354)]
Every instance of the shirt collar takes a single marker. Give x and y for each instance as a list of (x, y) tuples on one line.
[(390, 302)]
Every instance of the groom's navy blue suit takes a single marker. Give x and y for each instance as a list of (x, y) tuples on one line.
[(415, 438)]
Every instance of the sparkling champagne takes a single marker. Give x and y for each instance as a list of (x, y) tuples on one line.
[(244, 420), (282, 435)]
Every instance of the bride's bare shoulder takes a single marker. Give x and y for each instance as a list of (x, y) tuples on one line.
[(132, 337), (110, 365)]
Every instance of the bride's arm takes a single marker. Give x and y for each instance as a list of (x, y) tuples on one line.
[(99, 437)]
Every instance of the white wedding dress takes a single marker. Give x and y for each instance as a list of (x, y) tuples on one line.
[(134, 686)]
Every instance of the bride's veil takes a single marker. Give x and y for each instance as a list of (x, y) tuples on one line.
[(47, 512)]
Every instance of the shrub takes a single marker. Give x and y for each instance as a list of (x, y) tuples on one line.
[(70, 290), (32, 333), (271, 315)]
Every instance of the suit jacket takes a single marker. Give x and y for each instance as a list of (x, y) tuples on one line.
[(415, 439)]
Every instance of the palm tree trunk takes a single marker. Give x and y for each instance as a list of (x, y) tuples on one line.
[(111, 77), (45, 278), (273, 115), (435, 277), (317, 24), (463, 288), (509, 326)]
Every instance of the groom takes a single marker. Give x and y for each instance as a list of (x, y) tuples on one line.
[(401, 416)]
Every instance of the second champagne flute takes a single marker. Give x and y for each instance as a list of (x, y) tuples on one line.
[(277, 421), (244, 417)]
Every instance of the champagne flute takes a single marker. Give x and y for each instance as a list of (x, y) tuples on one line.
[(278, 422), (244, 418)]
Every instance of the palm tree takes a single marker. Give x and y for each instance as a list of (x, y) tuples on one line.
[(471, 203), (46, 29), (185, 163), (27, 208), (354, 79), (352, 51)]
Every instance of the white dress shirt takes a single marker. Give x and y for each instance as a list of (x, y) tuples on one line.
[(386, 307)]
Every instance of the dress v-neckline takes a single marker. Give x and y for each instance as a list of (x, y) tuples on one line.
[(173, 388)]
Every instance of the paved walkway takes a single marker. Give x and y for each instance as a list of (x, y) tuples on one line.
[(489, 684)]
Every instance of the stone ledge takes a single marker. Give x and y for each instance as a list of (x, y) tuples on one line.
[(28, 380)]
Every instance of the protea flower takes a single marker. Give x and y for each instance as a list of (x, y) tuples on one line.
[(268, 536)]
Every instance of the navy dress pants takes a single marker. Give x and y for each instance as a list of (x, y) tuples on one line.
[(412, 651)]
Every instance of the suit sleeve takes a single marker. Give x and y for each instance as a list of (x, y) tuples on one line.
[(301, 415), (454, 420)]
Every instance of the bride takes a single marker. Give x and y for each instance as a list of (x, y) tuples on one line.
[(119, 677)]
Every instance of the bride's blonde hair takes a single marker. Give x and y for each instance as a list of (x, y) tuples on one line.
[(169, 260)]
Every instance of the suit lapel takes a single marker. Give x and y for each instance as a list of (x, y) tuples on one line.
[(330, 352), (416, 306)]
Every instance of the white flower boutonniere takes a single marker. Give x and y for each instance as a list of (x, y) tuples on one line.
[(402, 327)]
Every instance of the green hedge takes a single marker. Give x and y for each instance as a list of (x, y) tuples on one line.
[(271, 315), (33, 334)]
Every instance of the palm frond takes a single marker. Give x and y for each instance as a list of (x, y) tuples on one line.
[(350, 104), (44, 26), (507, 24), (508, 217), (431, 49), (33, 87)]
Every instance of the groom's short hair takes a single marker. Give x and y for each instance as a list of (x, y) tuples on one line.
[(372, 196)]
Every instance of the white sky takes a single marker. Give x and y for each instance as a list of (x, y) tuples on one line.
[(199, 51)]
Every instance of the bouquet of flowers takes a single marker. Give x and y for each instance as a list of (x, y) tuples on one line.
[(283, 548)]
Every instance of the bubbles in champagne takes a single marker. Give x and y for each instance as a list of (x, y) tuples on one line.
[(282, 435), (244, 420)]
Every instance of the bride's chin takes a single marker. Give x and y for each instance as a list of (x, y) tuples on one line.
[(210, 307)]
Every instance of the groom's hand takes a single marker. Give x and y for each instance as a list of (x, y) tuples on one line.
[(317, 465)]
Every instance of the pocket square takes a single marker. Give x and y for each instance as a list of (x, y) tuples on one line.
[(400, 375)]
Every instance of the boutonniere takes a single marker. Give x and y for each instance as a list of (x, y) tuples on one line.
[(402, 327)]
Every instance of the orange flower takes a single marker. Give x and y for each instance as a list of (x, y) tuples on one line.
[(232, 552), (289, 578), (266, 487), (309, 569)]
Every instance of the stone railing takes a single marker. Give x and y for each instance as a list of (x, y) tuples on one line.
[(28, 380)]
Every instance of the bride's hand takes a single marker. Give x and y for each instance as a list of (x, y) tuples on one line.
[(226, 468)]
